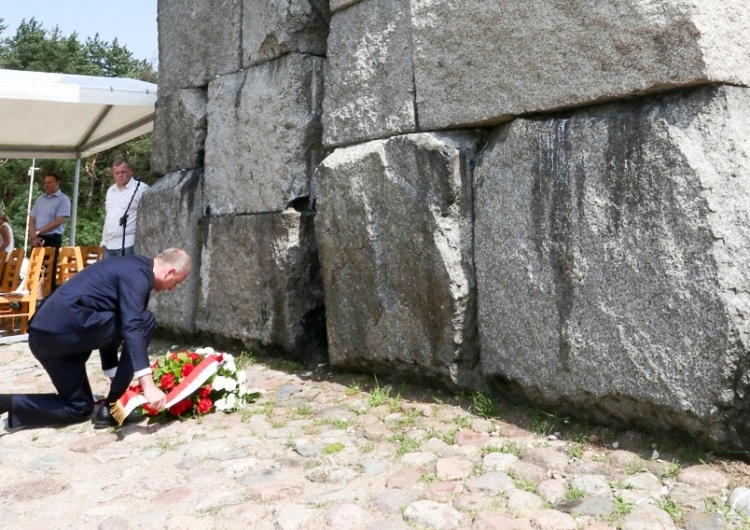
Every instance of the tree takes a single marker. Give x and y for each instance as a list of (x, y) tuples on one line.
[(37, 49)]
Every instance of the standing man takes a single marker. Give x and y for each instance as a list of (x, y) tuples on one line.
[(47, 217), (121, 205), (47, 220), (101, 307)]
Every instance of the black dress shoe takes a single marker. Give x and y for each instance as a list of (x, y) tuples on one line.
[(103, 418)]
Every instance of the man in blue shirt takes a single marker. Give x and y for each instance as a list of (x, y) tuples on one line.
[(47, 217), (101, 307)]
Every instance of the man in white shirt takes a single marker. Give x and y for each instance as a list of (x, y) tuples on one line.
[(121, 210)]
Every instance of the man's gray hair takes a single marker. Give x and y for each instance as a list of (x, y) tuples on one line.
[(177, 258)]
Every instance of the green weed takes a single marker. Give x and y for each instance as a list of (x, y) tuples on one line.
[(482, 405)]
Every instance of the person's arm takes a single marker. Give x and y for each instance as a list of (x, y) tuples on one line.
[(5, 234), (134, 289), (36, 241), (155, 397)]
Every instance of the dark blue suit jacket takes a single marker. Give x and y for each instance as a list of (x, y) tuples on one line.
[(111, 294)]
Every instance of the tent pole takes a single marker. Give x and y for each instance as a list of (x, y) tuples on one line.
[(73, 214), (32, 169)]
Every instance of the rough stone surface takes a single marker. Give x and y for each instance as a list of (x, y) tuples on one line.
[(393, 228), (263, 156), (704, 477), (739, 500), (432, 514), (168, 216), (369, 77), (609, 248), (179, 138), (473, 59), (337, 5), (705, 521), (269, 294), (647, 516), (197, 41), (246, 470), (272, 28)]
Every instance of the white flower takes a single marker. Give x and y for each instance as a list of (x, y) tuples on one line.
[(205, 351), (221, 382), (230, 384), (241, 376), (227, 403), (218, 383), (228, 363)]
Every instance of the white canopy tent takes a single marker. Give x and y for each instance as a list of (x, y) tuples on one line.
[(44, 115)]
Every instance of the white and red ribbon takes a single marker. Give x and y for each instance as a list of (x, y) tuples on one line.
[(189, 384)]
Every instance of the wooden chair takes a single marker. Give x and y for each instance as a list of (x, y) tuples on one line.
[(69, 262), (92, 254), (22, 305), (48, 270), (12, 271)]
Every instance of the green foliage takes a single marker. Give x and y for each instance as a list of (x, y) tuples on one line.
[(620, 509), (669, 506), (505, 447), (574, 493), (333, 448), (482, 405), (405, 444), (575, 451), (379, 395), (544, 423), (35, 48)]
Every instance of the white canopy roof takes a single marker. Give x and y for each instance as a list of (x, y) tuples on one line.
[(44, 115)]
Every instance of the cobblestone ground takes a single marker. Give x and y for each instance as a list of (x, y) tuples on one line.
[(341, 451)]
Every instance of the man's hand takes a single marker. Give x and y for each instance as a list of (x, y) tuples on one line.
[(156, 398)]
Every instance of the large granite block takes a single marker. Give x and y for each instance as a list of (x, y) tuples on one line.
[(611, 251), (272, 28), (479, 62), (369, 91), (260, 283), (168, 216), (262, 153), (394, 232), (198, 40), (337, 5), (179, 138)]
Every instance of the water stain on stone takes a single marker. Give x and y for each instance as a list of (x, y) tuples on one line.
[(553, 200)]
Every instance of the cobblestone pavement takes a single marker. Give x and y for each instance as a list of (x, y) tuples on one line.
[(341, 451)]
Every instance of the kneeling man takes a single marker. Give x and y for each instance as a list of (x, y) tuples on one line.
[(101, 307)]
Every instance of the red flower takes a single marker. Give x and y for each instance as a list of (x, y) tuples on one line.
[(167, 381), (181, 407), (175, 357), (186, 369), (150, 410), (195, 358), (204, 405), (205, 391)]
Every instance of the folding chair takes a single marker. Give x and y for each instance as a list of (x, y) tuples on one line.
[(69, 262), (11, 277), (22, 304), (92, 254)]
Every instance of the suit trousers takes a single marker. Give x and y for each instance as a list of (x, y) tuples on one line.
[(64, 357)]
